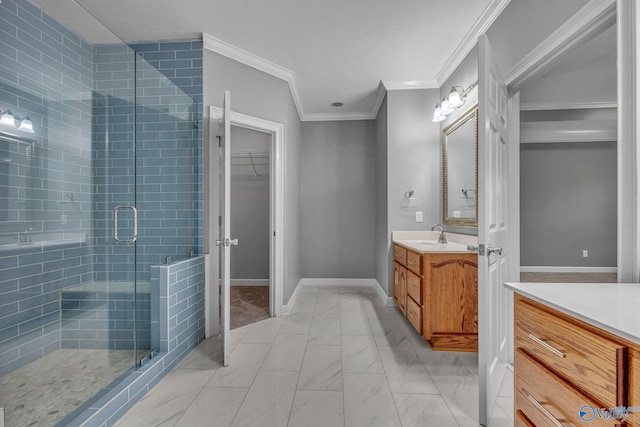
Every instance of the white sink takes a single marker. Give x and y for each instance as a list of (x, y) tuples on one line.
[(427, 241), (424, 242)]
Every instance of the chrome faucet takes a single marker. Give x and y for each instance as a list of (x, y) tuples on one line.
[(442, 238)]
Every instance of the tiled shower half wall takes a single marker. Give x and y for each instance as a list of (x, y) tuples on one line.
[(112, 125)]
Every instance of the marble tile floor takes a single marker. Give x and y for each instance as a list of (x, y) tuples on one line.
[(340, 358), (47, 390)]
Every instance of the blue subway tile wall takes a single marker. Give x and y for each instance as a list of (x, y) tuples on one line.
[(181, 288), (101, 316), (167, 162), (90, 106), (46, 73)]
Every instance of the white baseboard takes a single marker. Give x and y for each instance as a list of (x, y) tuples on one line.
[(338, 282), (387, 300), (286, 309), (250, 282), (536, 269)]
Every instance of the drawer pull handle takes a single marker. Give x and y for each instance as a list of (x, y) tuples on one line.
[(547, 346), (542, 409)]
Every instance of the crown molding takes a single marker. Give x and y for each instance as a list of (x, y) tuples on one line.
[(584, 25), (254, 61), (489, 15), (536, 106), (410, 85), (230, 51), (336, 117), (380, 94)]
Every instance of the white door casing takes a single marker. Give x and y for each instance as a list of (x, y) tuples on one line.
[(493, 227), (277, 178), (224, 241)]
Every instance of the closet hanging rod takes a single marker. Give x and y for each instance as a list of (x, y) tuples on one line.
[(250, 154)]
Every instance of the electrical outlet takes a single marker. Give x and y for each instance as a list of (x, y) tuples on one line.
[(418, 216), (585, 253)]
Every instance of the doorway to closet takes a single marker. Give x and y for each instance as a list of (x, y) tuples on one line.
[(250, 213)]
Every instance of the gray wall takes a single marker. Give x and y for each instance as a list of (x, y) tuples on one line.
[(338, 161), (568, 203), (524, 24), (587, 74), (413, 162), (382, 228), (465, 75), (250, 212), (261, 95)]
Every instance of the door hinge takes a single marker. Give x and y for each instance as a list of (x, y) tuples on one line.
[(219, 140), (274, 234)]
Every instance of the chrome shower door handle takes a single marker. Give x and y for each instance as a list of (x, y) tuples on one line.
[(135, 224)]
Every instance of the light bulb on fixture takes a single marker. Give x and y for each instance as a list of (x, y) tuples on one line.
[(26, 125), (8, 119), (455, 100), (438, 116), (446, 107)]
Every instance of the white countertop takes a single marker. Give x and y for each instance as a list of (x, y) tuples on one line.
[(612, 307), (427, 241)]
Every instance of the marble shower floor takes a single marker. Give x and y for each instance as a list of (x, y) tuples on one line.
[(340, 358), (47, 390)]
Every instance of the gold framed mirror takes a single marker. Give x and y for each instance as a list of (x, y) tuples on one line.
[(460, 171)]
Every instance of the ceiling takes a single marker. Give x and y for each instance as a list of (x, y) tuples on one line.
[(329, 51)]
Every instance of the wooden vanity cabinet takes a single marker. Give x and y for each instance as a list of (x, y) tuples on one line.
[(400, 286), (563, 364), (438, 293)]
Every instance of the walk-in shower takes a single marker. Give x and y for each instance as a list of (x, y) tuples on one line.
[(102, 187)]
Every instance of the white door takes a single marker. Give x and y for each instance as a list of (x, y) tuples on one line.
[(224, 240), (493, 227)]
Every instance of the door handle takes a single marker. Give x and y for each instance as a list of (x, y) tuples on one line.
[(488, 250), (227, 242), (497, 250), (135, 224)]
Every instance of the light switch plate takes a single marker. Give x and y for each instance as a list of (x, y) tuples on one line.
[(418, 216)]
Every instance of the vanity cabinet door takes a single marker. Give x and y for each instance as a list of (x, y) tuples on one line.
[(400, 287), (634, 386)]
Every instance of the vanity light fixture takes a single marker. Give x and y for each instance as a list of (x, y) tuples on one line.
[(26, 125), (456, 99), (8, 119), (438, 116)]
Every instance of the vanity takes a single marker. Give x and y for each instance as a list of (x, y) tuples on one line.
[(435, 286), (577, 353)]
